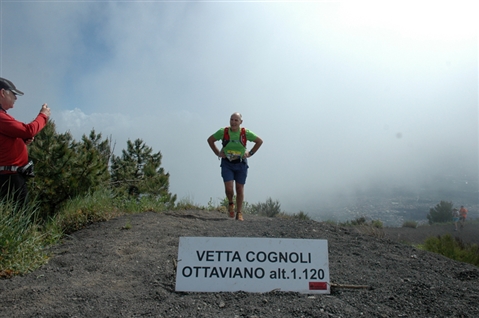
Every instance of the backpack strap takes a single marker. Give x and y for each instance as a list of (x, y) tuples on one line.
[(243, 136), (226, 136)]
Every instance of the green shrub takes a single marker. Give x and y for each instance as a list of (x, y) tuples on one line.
[(211, 205), (412, 224), (22, 239), (186, 204), (358, 221), (83, 210), (269, 208), (453, 248), (377, 224), (21, 242), (372, 229), (301, 215), (441, 213)]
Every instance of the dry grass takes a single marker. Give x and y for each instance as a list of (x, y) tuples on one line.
[(371, 230)]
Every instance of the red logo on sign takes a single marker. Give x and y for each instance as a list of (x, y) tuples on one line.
[(318, 286)]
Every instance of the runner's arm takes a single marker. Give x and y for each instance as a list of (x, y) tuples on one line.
[(211, 141), (257, 144)]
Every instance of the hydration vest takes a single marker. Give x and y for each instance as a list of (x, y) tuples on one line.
[(226, 136)]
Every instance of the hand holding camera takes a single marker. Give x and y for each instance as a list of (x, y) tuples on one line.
[(45, 110)]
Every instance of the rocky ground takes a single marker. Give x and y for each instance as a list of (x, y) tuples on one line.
[(126, 268)]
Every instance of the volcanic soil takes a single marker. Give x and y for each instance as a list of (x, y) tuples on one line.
[(125, 267)]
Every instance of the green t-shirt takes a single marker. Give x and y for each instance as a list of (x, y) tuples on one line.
[(234, 149)]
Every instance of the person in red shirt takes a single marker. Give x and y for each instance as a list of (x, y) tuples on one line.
[(463, 215), (14, 138)]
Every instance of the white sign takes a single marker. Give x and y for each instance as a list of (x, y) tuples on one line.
[(216, 264)]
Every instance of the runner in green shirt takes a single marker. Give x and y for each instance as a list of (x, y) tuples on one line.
[(234, 163)]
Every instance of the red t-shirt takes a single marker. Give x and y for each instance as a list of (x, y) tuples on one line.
[(13, 150)]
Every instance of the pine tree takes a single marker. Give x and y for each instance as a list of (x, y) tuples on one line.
[(138, 173), (65, 168), (441, 213)]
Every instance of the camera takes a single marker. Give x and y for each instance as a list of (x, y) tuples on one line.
[(27, 170)]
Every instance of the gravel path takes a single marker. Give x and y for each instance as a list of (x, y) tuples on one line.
[(126, 268)]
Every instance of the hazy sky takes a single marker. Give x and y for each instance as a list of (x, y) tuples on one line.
[(346, 95)]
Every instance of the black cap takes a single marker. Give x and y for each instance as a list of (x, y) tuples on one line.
[(6, 84)]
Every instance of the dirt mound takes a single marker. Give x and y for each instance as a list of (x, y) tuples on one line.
[(125, 268)]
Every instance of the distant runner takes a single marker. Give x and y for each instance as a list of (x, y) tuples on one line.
[(463, 215), (455, 217)]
